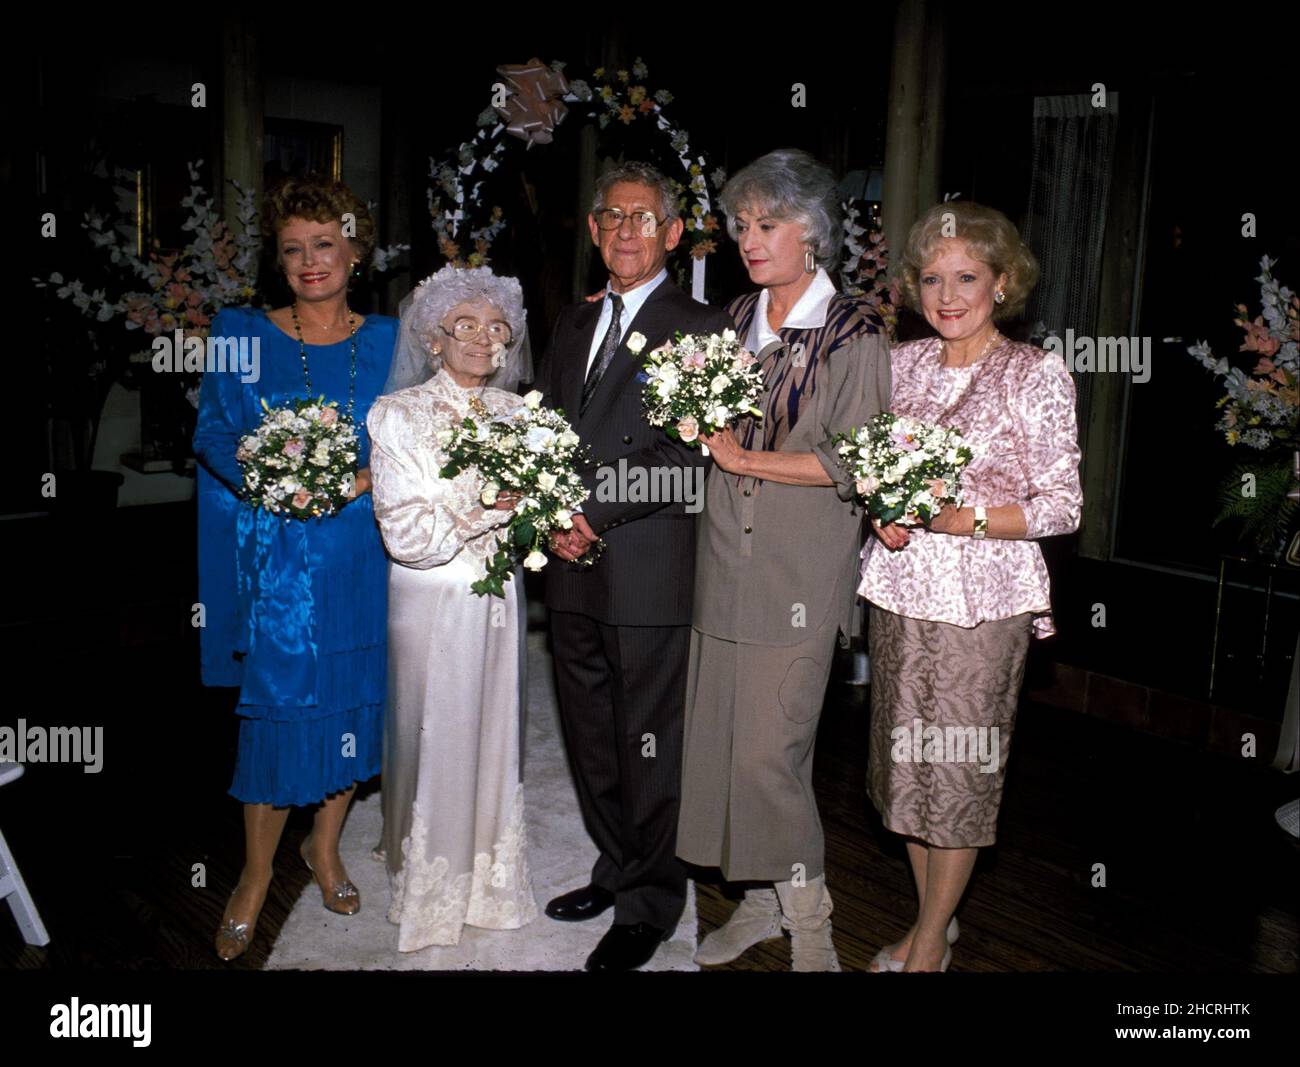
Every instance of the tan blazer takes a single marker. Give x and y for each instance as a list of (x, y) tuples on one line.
[(776, 562)]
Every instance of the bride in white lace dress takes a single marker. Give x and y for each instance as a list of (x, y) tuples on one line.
[(454, 837)]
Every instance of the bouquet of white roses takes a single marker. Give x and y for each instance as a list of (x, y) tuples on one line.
[(904, 468), (301, 460), (534, 453), (700, 383)]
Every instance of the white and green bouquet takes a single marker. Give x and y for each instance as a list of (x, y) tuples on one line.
[(532, 453), (301, 460), (699, 383), (905, 470)]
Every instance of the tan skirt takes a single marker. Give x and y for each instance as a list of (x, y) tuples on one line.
[(751, 722), (943, 706)]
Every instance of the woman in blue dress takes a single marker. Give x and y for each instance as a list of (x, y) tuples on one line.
[(296, 610)]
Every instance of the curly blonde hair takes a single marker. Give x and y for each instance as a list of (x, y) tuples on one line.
[(319, 200), (989, 236)]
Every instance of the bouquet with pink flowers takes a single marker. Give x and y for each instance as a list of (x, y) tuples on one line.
[(699, 384), (905, 470), (301, 460)]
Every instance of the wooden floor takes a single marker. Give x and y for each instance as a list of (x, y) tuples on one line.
[(1198, 876)]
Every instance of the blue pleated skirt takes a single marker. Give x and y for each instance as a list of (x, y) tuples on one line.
[(303, 762), (299, 754)]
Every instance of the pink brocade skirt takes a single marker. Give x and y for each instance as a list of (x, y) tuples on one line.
[(943, 706)]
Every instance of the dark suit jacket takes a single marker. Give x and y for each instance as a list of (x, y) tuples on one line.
[(647, 573)]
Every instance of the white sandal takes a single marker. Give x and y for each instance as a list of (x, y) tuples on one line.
[(885, 963)]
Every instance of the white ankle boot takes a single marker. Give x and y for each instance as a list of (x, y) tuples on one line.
[(807, 915), (758, 918)]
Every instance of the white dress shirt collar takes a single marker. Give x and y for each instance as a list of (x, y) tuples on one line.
[(633, 300), (808, 313)]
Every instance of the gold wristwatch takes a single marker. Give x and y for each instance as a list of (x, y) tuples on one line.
[(981, 524)]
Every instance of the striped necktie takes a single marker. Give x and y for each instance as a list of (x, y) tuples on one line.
[(607, 349)]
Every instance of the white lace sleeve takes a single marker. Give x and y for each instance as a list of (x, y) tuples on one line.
[(425, 520)]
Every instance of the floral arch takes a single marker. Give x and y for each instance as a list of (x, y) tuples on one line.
[(533, 98)]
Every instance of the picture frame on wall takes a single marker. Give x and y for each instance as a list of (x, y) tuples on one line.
[(295, 146)]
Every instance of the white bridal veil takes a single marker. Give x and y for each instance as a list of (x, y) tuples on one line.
[(425, 307)]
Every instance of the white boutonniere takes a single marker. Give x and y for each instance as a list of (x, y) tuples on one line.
[(636, 342)]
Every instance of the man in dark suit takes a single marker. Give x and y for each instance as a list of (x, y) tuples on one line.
[(620, 627)]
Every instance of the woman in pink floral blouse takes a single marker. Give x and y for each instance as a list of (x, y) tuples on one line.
[(954, 603)]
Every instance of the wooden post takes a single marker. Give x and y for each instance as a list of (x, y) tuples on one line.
[(241, 103), (395, 197), (582, 246), (914, 127), (929, 160)]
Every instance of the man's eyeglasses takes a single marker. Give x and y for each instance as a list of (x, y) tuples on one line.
[(469, 329), (643, 222)]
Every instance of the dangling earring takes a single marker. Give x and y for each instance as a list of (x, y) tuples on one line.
[(999, 297), (356, 269), (809, 261)]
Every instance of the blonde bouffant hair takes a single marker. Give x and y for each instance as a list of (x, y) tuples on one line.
[(988, 235)]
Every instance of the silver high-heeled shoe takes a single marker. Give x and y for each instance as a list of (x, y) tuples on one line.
[(886, 963), (343, 898), (232, 939)]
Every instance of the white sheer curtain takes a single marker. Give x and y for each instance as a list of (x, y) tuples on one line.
[(1074, 144)]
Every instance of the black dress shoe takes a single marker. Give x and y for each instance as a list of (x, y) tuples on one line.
[(584, 903), (625, 947)]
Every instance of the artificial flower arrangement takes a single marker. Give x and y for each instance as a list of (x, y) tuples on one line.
[(534, 100), (1261, 410)]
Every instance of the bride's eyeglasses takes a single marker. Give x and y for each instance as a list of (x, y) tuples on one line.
[(643, 222), (469, 329)]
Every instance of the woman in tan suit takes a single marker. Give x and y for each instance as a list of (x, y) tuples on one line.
[(776, 564)]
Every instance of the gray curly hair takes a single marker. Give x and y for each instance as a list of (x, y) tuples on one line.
[(452, 286), (788, 183), (639, 174)]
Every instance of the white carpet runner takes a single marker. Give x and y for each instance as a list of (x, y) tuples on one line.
[(560, 859)]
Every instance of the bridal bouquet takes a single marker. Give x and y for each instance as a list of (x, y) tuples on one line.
[(904, 468), (532, 452), (699, 383), (301, 460)]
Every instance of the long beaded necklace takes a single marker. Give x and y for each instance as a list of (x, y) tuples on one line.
[(352, 364)]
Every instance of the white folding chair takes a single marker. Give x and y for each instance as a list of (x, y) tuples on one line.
[(12, 887)]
